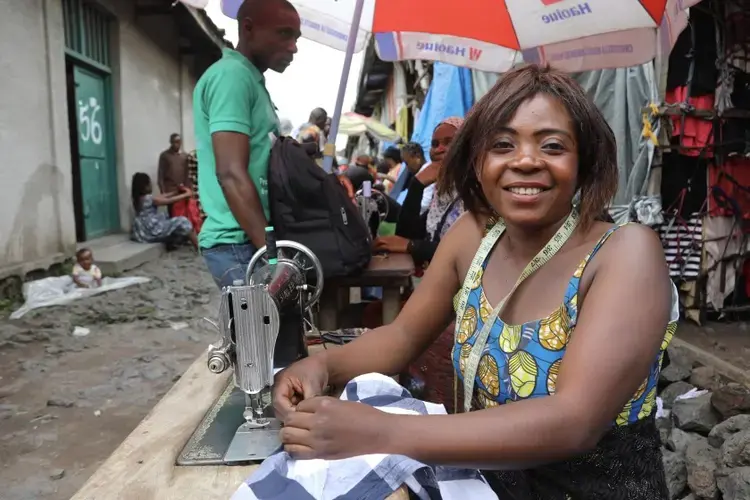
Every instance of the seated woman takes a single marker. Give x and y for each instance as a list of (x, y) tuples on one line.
[(418, 232), (562, 319), (152, 226)]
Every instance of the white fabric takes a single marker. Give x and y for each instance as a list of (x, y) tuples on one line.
[(58, 291)]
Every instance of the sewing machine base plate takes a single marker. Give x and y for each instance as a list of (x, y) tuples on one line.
[(250, 445), (219, 430)]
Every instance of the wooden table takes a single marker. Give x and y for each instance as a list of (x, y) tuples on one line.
[(391, 272), (143, 466)]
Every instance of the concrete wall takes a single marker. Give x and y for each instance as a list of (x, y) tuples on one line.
[(35, 169), (153, 98)]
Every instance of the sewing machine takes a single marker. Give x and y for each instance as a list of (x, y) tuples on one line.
[(373, 206), (262, 322)]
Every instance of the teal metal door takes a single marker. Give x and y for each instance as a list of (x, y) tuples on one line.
[(97, 170)]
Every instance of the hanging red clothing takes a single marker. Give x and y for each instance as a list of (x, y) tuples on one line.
[(697, 133), (188, 208)]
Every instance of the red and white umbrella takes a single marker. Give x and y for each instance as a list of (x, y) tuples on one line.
[(493, 35)]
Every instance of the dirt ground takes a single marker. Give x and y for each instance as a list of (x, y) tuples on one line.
[(67, 402), (728, 341)]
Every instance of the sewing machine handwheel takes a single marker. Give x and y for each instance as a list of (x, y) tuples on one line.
[(291, 251), (380, 201)]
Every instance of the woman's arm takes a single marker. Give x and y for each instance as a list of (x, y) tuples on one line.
[(621, 325), (411, 224), (428, 311), (170, 198)]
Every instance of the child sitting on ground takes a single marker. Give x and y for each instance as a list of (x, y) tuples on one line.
[(85, 273)]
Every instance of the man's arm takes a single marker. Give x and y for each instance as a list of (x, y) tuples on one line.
[(229, 103), (232, 151)]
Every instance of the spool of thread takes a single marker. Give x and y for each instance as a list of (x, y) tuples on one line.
[(367, 189)]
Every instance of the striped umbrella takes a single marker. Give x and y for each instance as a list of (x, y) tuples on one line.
[(494, 35)]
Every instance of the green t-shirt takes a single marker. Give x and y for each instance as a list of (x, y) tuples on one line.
[(231, 96)]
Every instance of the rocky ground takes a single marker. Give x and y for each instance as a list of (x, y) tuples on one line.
[(66, 401), (706, 438)]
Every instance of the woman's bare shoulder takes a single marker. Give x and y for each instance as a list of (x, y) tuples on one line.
[(468, 225)]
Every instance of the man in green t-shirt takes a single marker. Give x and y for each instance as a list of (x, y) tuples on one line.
[(235, 126)]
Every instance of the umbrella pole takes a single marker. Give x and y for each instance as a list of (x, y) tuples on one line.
[(330, 149)]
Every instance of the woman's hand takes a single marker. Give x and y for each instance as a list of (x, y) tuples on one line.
[(429, 174), (303, 380), (394, 244), (332, 429)]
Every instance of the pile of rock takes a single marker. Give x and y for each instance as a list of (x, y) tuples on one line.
[(705, 432)]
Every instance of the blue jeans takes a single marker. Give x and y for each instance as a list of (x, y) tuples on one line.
[(228, 263)]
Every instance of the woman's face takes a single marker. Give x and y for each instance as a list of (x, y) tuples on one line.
[(530, 172), (413, 162), (441, 141)]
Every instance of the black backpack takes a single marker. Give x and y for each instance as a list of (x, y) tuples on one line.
[(311, 207)]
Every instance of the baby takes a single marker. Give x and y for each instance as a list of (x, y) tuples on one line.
[(85, 272)]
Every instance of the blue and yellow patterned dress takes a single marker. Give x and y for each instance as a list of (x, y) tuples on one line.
[(522, 361)]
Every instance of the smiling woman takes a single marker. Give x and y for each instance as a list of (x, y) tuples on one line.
[(561, 319)]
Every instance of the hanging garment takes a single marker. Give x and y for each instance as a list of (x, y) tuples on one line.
[(684, 183), (702, 55), (723, 240), (280, 477), (682, 241), (690, 132)]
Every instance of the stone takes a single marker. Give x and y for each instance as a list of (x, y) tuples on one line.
[(695, 414), (53, 350), (41, 337), (679, 440), (701, 463), (735, 452), (670, 392), (731, 399), (22, 337), (60, 403), (664, 425), (7, 411), (734, 483), (705, 377), (680, 366), (56, 474), (732, 425), (675, 472)]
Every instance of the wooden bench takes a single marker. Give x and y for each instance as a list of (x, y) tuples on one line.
[(143, 466)]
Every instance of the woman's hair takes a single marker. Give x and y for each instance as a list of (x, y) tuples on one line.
[(138, 188), (414, 149), (383, 167), (392, 153), (597, 150)]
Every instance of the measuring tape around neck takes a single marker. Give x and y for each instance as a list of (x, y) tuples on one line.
[(488, 242)]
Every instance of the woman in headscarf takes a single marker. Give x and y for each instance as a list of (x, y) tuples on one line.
[(419, 233)]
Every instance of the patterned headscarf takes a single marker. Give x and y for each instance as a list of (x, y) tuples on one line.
[(454, 121), (442, 204)]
